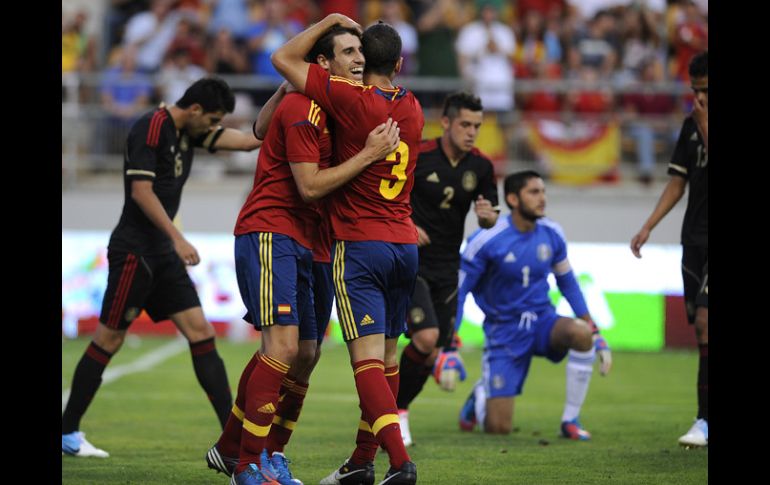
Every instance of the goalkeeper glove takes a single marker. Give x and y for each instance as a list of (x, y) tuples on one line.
[(448, 369), (604, 353)]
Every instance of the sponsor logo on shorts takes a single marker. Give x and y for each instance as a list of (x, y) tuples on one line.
[(367, 320)]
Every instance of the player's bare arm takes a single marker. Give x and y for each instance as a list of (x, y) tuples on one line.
[(232, 139), (422, 237), (671, 194), (487, 215), (289, 59), (145, 198), (314, 183), (266, 113)]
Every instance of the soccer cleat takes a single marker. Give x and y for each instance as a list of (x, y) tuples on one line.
[(574, 430), (468, 413), (351, 474), (75, 444), (252, 475), (280, 465), (219, 462), (403, 421), (406, 475), (697, 436)]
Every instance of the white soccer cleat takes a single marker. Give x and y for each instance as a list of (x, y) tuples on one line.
[(698, 435), (403, 421), (75, 444)]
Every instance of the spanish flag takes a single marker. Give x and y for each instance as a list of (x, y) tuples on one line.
[(284, 309)]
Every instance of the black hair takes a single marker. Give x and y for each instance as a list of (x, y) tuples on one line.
[(325, 45), (516, 181), (699, 65), (459, 100), (212, 93), (382, 49)]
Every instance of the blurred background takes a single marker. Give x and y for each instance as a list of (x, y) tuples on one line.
[(591, 93)]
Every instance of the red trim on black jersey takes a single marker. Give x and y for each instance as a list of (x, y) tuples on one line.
[(153, 135), (428, 145), (479, 153), (119, 301)]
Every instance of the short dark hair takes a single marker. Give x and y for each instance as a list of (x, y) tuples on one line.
[(699, 65), (212, 93), (325, 45), (516, 181), (382, 48), (460, 100)]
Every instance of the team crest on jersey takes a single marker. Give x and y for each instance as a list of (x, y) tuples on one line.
[(543, 252), (470, 181), (184, 143), (131, 314), (417, 315), (498, 381)]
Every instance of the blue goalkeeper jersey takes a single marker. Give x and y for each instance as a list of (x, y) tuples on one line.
[(507, 270)]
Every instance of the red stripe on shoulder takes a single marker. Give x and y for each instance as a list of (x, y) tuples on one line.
[(479, 153), (153, 134), (428, 145)]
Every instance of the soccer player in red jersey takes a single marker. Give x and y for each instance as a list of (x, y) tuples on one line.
[(375, 251), (276, 241)]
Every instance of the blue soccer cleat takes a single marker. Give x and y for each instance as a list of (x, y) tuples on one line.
[(252, 475), (468, 413), (75, 444), (280, 465), (697, 436), (574, 430)]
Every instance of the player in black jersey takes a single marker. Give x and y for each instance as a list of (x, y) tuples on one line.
[(689, 164), (147, 254), (450, 174)]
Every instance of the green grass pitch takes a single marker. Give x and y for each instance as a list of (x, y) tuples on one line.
[(157, 424)]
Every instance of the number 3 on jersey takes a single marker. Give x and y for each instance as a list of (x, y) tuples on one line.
[(391, 188)]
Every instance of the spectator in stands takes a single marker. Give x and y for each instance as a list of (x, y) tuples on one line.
[(226, 56), (648, 112), (267, 35), (537, 45), (590, 97), (150, 33), (189, 36), (437, 25), (690, 38), (177, 74), (392, 13), (125, 94), (641, 42), (232, 15), (78, 49), (595, 46), (485, 53)]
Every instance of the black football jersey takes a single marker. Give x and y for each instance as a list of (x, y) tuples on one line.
[(442, 196), (154, 151), (690, 160)]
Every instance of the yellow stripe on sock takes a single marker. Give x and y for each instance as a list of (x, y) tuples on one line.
[(256, 430), (388, 374), (284, 423), (237, 412), (367, 367), (275, 364), (383, 421), (364, 426)]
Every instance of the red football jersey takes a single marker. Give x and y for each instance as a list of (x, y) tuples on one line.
[(374, 206), (297, 133)]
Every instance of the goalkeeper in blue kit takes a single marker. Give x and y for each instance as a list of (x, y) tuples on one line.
[(506, 268)]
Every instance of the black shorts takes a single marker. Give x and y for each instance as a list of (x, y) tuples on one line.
[(433, 306), (157, 283), (695, 268)]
